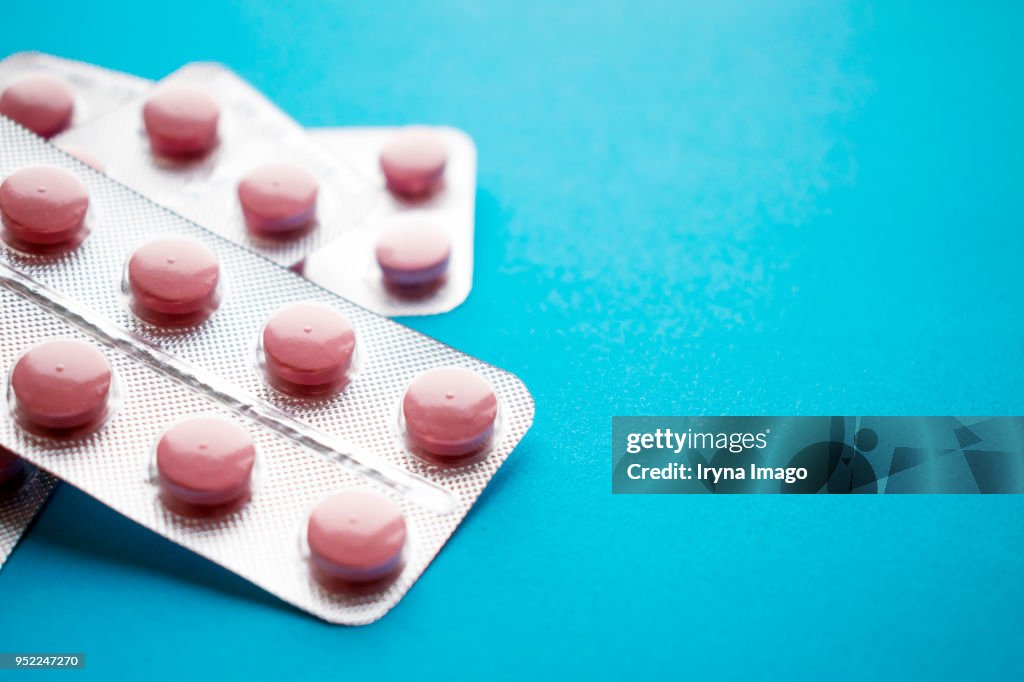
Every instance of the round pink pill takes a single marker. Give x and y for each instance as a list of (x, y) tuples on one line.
[(84, 156), (205, 461), (43, 205), (42, 103), (10, 465), (449, 411), (278, 198), (61, 384), (181, 121), (173, 281), (413, 255), (308, 345), (413, 162), (357, 536)]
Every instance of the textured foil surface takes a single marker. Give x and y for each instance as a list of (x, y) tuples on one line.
[(450, 209), (306, 449), (97, 92), (252, 132), (20, 501)]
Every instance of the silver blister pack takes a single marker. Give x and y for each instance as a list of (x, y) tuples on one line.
[(306, 449), (97, 91), (339, 258), (251, 132), (20, 501), (450, 209)]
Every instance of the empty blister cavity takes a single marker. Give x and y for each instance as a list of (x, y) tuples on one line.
[(356, 536), (449, 415), (173, 282), (42, 102), (61, 387), (307, 350), (205, 463), (44, 209)]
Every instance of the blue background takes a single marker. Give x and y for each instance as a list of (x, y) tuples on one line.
[(692, 208)]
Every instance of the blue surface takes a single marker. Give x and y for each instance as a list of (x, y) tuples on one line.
[(724, 207)]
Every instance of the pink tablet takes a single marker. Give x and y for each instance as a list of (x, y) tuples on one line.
[(43, 206), (84, 156), (205, 461), (449, 411), (308, 346), (173, 281), (413, 255), (42, 103), (10, 465), (181, 121), (278, 198), (357, 536), (413, 162), (61, 384)]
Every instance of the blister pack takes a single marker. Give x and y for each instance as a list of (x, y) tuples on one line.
[(403, 179), (316, 449), (24, 490), (450, 209), (246, 137), (93, 91), (96, 91)]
